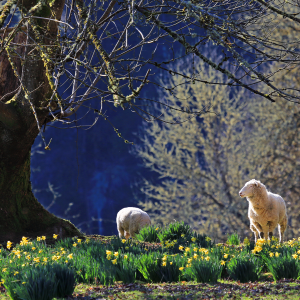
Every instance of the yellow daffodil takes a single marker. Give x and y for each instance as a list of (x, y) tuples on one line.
[(55, 236), (116, 254), (125, 256), (171, 263), (207, 258), (43, 238), (222, 262), (38, 238), (193, 239), (124, 241), (36, 259), (40, 251), (74, 245), (182, 235), (181, 268), (187, 249), (208, 239), (225, 255), (45, 259), (181, 248), (164, 263), (277, 254), (195, 249), (33, 248), (156, 228), (271, 254), (9, 244), (195, 256), (114, 261), (295, 256), (79, 241), (4, 270), (70, 256)]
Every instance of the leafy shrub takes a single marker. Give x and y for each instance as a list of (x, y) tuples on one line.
[(65, 279), (34, 284), (175, 231), (202, 240), (233, 239), (284, 266), (204, 271), (88, 270), (148, 234), (153, 269), (126, 269), (244, 268)]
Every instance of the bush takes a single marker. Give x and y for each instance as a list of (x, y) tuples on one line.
[(34, 284), (204, 271), (148, 234), (175, 231), (233, 239), (126, 269), (65, 279), (284, 266), (156, 267), (244, 268)]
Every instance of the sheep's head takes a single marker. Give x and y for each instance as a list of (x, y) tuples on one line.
[(249, 188)]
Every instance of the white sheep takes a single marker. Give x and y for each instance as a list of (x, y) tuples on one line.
[(131, 220), (266, 210)]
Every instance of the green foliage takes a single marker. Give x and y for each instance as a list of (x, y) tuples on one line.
[(284, 266), (244, 268), (152, 267), (148, 234), (175, 231), (233, 239), (204, 271), (65, 279), (126, 269), (34, 284)]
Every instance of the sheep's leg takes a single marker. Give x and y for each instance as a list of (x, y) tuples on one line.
[(281, 228), (272, 226), (259, 230), (264, 234), (252, 227), (121, 232), (127, 235)]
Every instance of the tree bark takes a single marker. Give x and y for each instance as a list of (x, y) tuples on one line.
[(20, 212)]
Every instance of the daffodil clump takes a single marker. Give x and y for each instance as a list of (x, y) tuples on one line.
[(187, 256)]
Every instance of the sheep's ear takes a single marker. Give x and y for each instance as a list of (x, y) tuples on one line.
[(256, 183)]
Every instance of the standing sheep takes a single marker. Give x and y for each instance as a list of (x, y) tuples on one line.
[(266, 210), (131, 220)]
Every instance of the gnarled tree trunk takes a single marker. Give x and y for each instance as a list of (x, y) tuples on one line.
[(20, 212)]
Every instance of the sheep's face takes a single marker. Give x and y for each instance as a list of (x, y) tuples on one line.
[(248, 189)]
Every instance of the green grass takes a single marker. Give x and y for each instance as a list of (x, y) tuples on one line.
[(111, 268)]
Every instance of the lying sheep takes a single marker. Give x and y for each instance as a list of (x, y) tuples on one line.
[(266, 210), (130, 220)]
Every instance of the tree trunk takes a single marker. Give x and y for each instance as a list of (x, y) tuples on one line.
[(20, 213)]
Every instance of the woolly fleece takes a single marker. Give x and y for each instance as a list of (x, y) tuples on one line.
[(130, 220), (266, 210)]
